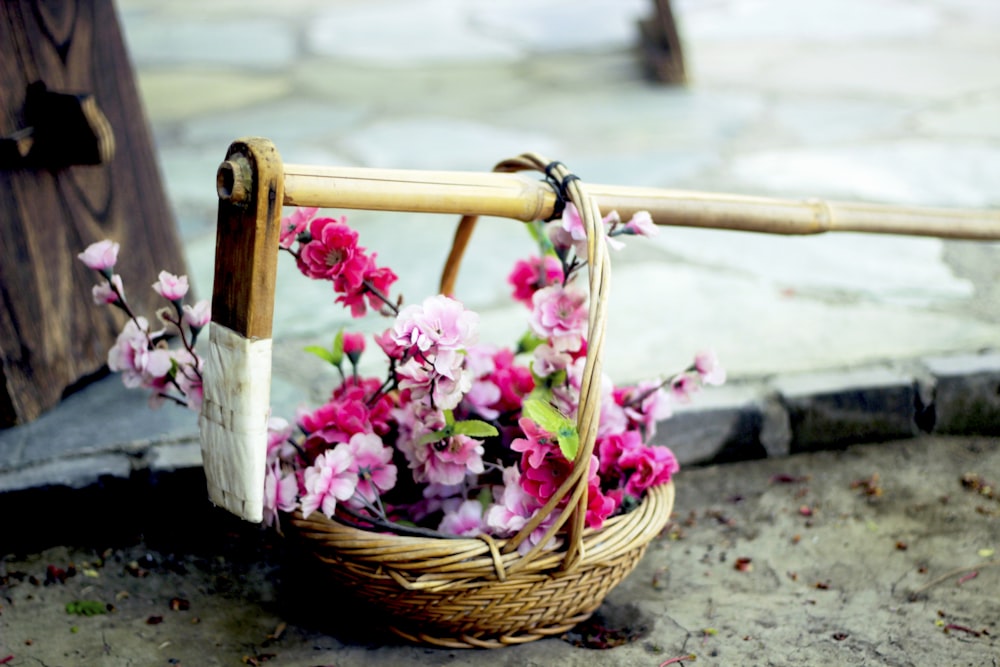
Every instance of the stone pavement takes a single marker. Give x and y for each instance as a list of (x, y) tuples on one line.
[(828, 340), (888, 101)]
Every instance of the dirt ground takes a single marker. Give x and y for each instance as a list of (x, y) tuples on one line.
[(885, 554)]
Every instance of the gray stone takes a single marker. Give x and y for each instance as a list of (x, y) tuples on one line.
[(966, 395), (721, 424), (257, 43), (839, 408)]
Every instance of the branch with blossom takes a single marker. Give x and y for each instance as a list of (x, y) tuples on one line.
[(144, 356), (456, 437)]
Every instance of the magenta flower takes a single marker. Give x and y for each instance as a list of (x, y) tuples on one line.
[(295, 224), (198, 315), (336, 421), (647, 466), (354, 345), (280, 493), (333, 250), (364, 285), (709, 368), (100, 256), (104, 293), (329, 480), (371, 461), (543, 466), (559, 315), (532, 274), (599, 505)]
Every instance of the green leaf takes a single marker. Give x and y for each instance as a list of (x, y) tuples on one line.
[(569, 443), (338, 349), (485, 498), (543, 414), (321, 352), (555, 422), (446, 432), (86, 607), (475, 429), (528, 343), (449, 417)]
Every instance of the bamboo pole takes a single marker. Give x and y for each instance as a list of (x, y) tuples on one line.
[(522, 198)]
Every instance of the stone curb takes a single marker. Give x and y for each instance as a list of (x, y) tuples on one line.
[(946, 395)]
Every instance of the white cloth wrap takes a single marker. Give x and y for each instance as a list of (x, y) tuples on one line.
[(234, 416)]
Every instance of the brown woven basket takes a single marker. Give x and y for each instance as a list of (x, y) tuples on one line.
[(480, 592)]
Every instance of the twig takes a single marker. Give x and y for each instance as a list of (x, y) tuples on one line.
[(950, 574), (678, 659), (413, 531)]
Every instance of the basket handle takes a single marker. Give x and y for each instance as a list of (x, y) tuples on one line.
[(574, 488)]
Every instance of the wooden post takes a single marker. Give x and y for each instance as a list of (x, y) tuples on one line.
[(237, 370), (52, 335)]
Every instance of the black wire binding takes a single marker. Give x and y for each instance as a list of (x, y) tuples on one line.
[(560, 185)]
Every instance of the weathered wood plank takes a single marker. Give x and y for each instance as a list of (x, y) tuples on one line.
[(51, 333)]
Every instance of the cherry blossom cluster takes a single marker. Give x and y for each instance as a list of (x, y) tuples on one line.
[(461, 437), (144, 356)]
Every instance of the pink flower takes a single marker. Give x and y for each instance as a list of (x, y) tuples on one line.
[(188, 377), (682, 386), (446, 461), (644, 405), (709, 368), (512, 506), (278, 446), (464, 518), (548, 360), (171, 287), (280, 493), (332, 251), (295, 224), (642, 224), (131, 356), (371, 461), (532, 274), (443, 391), (104, 293), (560, 316), (100, 256), (569, 232), (438, 331), (329, 480), (198, 315)]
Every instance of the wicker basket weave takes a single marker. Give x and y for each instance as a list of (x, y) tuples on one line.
[(480, 592)]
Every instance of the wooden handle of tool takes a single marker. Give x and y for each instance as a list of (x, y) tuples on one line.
[(516, 196)]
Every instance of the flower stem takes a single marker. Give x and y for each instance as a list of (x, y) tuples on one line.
[(370, 287)]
